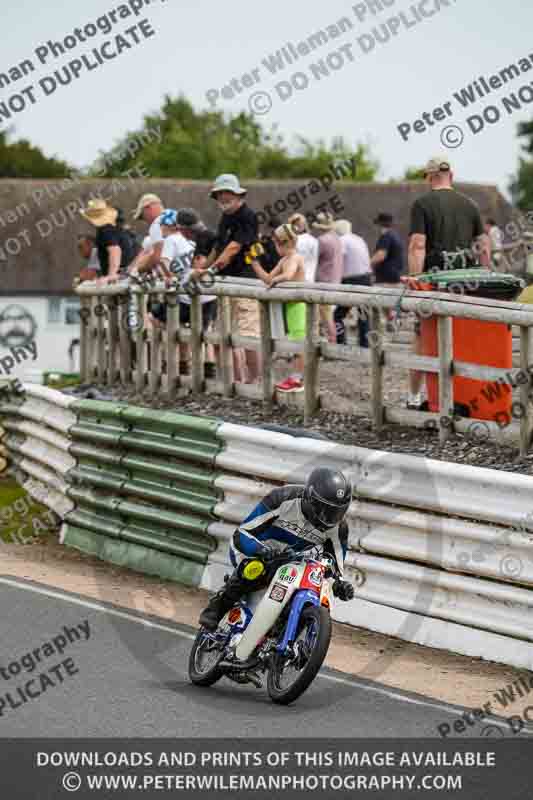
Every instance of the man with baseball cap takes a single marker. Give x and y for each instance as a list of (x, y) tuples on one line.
[(388, 260), (149, 208), (446, 233), (237, 231)]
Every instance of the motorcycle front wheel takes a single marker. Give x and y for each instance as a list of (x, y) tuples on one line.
[(205, 656), (290, 675)]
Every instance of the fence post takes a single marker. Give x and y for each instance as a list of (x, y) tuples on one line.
[(226, 350), (112, 339), (526, 352), (137, 314), (154, 377), (197, 367), (376, 368), (311, 362), (85, 339), (445, 338), (173, 311), (125, 340), (100, 340), (267, 352)]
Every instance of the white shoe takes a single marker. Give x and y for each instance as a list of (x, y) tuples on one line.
[(414, 401)]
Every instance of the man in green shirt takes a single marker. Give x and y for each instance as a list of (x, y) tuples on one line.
[(446, 233)]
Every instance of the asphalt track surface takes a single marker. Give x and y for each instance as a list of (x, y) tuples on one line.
[(131, 680)]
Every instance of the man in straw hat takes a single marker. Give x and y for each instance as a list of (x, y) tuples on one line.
[(330, 265), (108, 240)]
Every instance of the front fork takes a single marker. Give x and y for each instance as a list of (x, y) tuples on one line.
[(302, 598)]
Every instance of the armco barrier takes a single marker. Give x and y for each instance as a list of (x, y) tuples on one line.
[(440, 554), (133, 486), (143, 487)]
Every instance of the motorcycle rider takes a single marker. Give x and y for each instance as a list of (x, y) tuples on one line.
[(290, 517)]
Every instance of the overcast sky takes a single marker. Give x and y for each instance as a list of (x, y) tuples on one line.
[(201, 45)]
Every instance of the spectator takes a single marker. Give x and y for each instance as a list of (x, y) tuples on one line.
[(446, 231), (271, 258), (130, 241), (108, 241), (237, 232), (388, 259), (89, 253), (495, 235), (330, 265), (149, 208), (193, 229), (307, 245), (356, 272), (177, 257), (289, 268)]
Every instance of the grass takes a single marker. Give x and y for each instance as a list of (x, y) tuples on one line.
[(21, 517)]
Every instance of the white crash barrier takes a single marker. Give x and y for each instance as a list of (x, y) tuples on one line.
[(409, 512), (36, 438), (440, 554)]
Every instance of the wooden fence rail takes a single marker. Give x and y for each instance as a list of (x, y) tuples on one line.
[(118, 347)]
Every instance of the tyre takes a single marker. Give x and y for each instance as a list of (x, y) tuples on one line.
[(288, 678), (204, 659)]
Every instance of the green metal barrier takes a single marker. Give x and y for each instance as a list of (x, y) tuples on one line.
[(134, 556), (144, 483)]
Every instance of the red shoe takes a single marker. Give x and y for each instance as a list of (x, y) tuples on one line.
[(290, 385)]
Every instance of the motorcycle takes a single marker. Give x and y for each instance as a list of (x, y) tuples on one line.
[(283, 630)]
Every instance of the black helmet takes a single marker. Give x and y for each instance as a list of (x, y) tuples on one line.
[(327, 497)]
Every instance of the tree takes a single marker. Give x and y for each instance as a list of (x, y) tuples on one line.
[(521, 187), (20, 159), (414, 174), (179, 142)]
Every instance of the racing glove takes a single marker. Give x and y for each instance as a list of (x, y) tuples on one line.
[(266, 554), (343, 590)]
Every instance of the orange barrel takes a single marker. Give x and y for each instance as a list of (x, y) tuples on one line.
[(486, 343)]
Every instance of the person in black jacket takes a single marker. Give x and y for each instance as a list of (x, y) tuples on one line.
[(270, 258), (111, 241)]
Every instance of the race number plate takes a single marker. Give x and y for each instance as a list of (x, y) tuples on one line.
[(278, 593), (315, 577)]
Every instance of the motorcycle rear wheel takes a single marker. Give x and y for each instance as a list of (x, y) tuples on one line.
[(312, 643), (209, 673)]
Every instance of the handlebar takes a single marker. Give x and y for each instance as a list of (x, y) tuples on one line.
[(293, 555)]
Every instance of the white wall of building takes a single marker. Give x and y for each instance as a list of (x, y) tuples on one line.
[(51, 323)]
